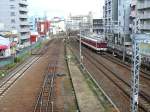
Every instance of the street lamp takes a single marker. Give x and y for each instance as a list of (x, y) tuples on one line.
[(136, 62)]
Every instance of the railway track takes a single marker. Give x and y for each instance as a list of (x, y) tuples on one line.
[(45, 100), (127, 66), (4, 86), (15, 75), (120, 83)]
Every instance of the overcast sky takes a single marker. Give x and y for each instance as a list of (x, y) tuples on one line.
[(62, 8)]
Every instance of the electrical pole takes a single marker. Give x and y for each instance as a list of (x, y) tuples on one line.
[(80, 48), (124, 29), (80, 55), (135, 75), (136, 62)]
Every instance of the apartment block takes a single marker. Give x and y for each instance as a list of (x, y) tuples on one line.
[(97, 26), (14, 16), (117, 21), (124, 11), (110, 19), (143, 14)]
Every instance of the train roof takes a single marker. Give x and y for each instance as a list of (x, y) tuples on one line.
[(94, 38)]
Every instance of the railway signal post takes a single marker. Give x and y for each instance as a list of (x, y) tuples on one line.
[(136, 61)]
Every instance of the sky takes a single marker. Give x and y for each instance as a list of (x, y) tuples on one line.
[(62, 8)]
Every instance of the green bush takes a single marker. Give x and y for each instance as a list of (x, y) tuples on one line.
[(17, 59), (11, 65), (2, 73)]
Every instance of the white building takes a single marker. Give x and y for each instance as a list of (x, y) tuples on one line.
[(143, 14), (74, 22), (14, 16), (58, 26)]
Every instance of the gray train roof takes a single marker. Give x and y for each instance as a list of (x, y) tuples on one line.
[(94, 38)]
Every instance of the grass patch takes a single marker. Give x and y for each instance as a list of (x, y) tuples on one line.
[(17, 59), (11, 65), (108, 107)]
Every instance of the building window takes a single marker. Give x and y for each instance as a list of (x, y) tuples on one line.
[(13, 27), (12, 13), (13, 21), (12, 7)]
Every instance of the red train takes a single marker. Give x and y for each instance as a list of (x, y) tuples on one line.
[(95, 42)]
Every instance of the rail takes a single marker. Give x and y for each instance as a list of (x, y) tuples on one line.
[(45, 99), (144, 98), (16, 75)]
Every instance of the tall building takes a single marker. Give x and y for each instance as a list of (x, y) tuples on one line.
[(123, 22), (143, 14), (117, 21), (110, 19), (14, 16), (33, 23)]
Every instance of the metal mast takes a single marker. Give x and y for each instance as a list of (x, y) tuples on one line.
[(136, 61)]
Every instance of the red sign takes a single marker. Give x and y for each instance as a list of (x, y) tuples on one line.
[(43, 27)]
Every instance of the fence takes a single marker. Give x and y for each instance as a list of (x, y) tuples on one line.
[(23, 54)]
